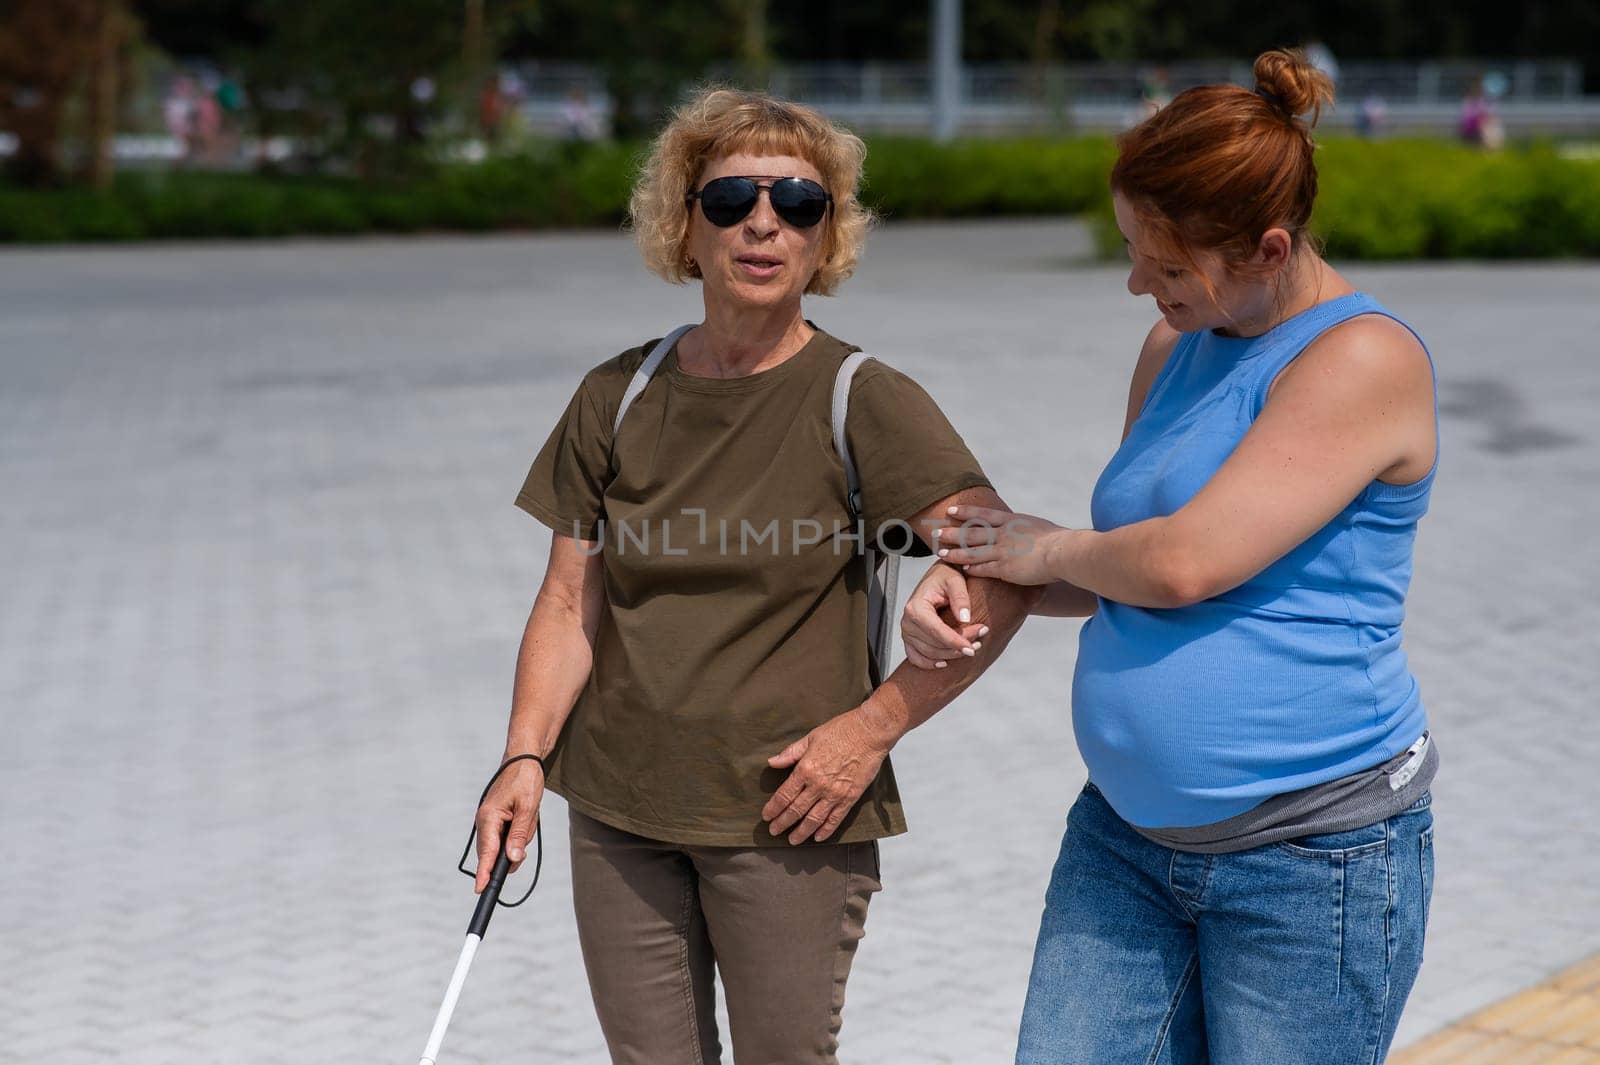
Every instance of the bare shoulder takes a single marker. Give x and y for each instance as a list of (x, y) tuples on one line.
[(1373, 373), (1372, 352)]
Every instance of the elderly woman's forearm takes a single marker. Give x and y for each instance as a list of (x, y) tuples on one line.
[(553, 666), (911, 695), (1063, 599)]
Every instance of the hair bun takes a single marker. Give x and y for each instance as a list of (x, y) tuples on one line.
[(1288, 81)]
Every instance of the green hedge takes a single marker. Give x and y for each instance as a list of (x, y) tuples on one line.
[(1386, 200), (554, 185), (920, 179), (1407, 200), (1433, 200), (557, 186)]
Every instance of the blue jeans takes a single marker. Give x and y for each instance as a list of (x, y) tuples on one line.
[(1293, 953)]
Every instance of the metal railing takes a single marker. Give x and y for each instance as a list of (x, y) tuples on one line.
[(1428, 82), (1538, 95), (1543, 96)]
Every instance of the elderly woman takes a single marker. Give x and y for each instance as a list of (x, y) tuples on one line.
[(694, 676)]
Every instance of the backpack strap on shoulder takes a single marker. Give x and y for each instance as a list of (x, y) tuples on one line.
[(841, 410), (883, 569), (647, 370)]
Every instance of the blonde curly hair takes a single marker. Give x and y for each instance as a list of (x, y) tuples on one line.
[(716, 123)]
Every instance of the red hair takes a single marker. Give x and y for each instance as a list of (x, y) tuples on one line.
[(1220, 165)]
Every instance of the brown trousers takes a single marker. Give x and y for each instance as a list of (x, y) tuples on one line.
[(780, 924)]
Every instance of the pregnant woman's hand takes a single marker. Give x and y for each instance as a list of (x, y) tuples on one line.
[(999, 544), (833, 764), (937, 623)]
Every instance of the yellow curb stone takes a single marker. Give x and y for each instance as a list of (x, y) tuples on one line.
[(1554, 1023), (1585, 976)]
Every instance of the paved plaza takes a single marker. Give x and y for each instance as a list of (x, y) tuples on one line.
[(262, 584)]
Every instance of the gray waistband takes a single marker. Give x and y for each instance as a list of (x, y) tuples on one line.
[(1350, 802)]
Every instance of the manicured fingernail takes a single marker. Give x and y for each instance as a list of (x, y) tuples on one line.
[(983, 630), (966, 616), (969, 652), (977, 645), (949, 510), (940, 664), (943, 551)]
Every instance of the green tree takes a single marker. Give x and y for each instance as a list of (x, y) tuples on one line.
[(110, 65), (347, 72), (46, 47)]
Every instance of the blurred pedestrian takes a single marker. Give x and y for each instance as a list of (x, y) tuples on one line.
[(180, 114), (491, 111), (1495, 87), (1155, 92), (230, 101), (579, 119), (414, 123), (1372, 116), (208, 119), (1478, 124), (513, 96)]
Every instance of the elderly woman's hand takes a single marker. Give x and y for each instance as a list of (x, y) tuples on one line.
[(513, 799), (937, 624), (833, 764)]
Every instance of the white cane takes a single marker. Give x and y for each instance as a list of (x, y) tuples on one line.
[(480, 917), (469, 949)]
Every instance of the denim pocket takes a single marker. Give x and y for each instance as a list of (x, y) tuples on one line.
[(1340, 846)]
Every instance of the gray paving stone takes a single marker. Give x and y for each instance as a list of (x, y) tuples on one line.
[(263, 588)]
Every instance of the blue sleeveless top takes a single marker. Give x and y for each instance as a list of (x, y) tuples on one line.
[(1193, 715)]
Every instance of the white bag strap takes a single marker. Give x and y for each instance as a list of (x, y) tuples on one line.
[(880, 614), (647, 370), (882, 590), (841, 410)]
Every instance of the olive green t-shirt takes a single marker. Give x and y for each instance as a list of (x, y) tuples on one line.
[(736, 600)]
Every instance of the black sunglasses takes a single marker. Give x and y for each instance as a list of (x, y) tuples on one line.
[(727, 200)]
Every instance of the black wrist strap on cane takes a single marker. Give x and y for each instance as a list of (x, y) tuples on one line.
[(538, 836)]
